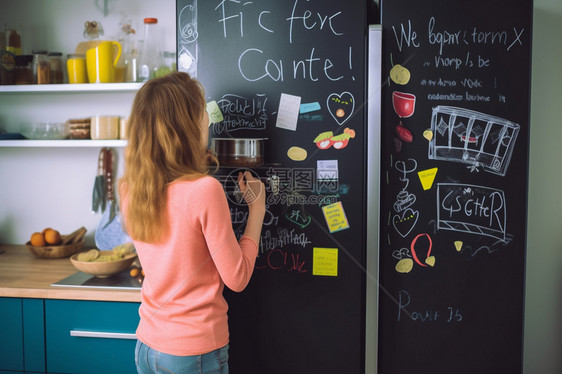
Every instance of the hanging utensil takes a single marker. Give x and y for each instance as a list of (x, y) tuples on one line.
[(98, 194), (110, 233), (109, 182)]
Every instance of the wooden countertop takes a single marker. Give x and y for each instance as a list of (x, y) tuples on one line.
[(24, 275)]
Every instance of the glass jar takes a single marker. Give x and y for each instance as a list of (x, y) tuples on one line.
[(23, 72), (7, 66), (41, 67), (170, 60), (13, 39), (131, 61), (151, 58), (104, 127), (55, 64)]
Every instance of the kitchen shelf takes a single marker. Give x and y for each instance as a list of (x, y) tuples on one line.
[(77, 143), (80, 87)]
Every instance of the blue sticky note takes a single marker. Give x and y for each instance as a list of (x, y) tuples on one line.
[(309, 107)]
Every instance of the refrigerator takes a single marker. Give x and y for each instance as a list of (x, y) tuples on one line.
[(455, 108), (297, 74)]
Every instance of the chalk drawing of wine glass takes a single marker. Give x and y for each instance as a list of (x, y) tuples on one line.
[(403, 103)]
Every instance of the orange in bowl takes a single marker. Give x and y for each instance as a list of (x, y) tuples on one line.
[(52, 236), (37, 239)]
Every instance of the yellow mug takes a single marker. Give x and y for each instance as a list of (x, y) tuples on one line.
[(76, 67), (101, 62)]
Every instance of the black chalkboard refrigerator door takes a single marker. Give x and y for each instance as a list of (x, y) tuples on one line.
[(293, 73), (455, 133)]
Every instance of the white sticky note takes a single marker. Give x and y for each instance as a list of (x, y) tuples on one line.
[(288, 113), (327, 169)]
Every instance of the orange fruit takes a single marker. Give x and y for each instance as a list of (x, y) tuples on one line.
[(37, 239), (45, 230), (52, 236)]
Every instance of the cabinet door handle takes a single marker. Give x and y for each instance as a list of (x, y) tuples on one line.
[(102, 334)]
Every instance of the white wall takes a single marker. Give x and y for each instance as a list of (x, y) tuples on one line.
[(52, 187), (543, 306)]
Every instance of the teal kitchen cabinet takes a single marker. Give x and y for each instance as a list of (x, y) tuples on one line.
[(22, 346), (11, 343), (90, 336)]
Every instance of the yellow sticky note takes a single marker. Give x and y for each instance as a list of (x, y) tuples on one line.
[(215, 114), (335, 217), (427, 177), (325, 261)]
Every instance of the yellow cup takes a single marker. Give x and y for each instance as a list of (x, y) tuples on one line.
[(101, 62), (76, 68)]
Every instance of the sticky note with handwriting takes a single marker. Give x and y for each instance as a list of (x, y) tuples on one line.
[(327, 169), (215, 114), (335, 217), (288, 112), (325, 261)]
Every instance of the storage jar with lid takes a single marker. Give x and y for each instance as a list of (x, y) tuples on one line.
[(55, 64), (41, 67), (104, 127), (23, 72)]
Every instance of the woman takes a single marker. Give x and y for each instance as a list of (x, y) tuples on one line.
[(179, 220)]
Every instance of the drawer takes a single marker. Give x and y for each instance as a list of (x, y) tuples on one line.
[(90, 336)]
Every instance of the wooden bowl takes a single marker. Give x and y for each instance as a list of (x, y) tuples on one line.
[(55, 251), (103, 269)]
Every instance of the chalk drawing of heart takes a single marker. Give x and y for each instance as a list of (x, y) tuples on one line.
[(405, 223), (341, 106)]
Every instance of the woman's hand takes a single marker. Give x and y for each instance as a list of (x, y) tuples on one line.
[(253, 190)]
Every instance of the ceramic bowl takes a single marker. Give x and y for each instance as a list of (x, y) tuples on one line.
[(103, 269)]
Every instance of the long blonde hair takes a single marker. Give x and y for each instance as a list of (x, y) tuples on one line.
[(164, 144)]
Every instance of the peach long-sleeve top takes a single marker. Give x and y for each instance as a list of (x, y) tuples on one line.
[(183, 311)]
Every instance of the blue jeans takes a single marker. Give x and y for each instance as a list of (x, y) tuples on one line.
[(150, 361)]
